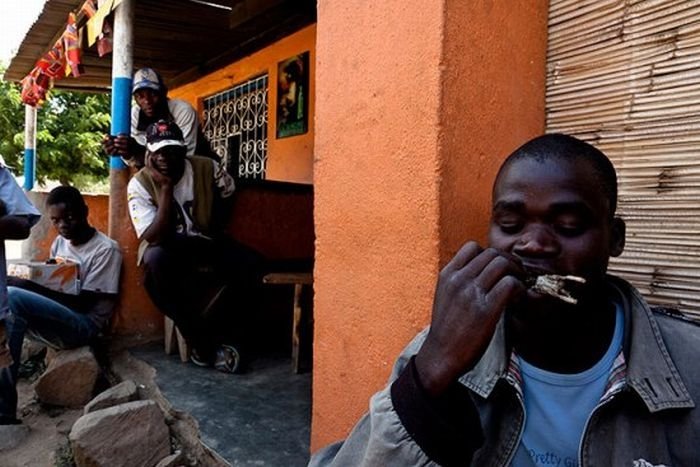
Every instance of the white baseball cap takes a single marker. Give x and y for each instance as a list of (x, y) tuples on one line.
[(163, 133), (147, 78)]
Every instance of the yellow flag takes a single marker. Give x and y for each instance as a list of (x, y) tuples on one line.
[(94, 24)]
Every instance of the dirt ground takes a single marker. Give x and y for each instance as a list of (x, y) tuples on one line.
[(47, 442), (46, 445)]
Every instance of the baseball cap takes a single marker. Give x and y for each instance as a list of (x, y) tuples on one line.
[(147, 78), (163, 133)]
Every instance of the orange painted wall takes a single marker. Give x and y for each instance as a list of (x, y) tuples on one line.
[(289, 159), (377, 205), (492, 101), (414, 114)]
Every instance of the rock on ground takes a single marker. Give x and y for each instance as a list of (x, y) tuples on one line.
[(69, 379), (173, 460), (12, 435), (134, 433), (47, 442), (126, 391)]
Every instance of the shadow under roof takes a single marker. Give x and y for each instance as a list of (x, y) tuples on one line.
[(182, 39)]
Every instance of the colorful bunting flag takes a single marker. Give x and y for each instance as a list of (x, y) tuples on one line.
[(53, 62), (89, 8), (104, 41), (94, 24), (72, 47), (65, 56), (34, 87)]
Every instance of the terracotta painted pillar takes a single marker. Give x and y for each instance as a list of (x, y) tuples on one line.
[(135, 316), (417, 103)]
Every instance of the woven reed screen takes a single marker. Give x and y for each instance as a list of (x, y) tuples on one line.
[(625, 76)]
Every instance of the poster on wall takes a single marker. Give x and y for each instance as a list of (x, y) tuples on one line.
[(292, 96)]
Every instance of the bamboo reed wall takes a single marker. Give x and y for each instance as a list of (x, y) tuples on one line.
[(624, 75)]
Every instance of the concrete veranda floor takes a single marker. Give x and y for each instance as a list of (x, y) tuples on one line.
[(258, 418)]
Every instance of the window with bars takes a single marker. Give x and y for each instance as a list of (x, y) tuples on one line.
[(235, 123)]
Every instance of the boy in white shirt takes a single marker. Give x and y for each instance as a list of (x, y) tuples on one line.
[(58, 319)]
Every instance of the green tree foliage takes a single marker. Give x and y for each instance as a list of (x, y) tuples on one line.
[(11, 123), (70, 127)]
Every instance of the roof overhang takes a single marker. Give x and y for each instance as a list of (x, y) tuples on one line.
[(182, 39)]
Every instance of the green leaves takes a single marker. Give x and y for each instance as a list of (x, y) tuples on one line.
[(11, 123), (71, 126)]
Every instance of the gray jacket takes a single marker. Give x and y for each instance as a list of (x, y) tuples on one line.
[(647, 419)]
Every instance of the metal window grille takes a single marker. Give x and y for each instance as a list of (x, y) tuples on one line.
[(235, 123)]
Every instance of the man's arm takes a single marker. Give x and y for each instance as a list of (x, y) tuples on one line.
[(15, 227), (472, 293), (162, 226), (97, 303), (86, 301), (69, 300), (185, 117), (126, 147), (382, 436), (425, 416), (223, 197)]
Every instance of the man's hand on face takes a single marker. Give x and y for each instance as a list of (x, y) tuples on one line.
[(472, 292), (158, 175)]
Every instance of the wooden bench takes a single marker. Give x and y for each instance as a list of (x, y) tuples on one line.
[(299, 280)]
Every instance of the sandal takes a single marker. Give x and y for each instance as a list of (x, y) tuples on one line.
[(227, 359), (197, 359)]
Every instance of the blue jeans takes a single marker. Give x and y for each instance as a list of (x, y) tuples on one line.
[(49, 321)]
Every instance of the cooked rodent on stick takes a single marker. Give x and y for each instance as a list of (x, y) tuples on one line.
[(554, 285)]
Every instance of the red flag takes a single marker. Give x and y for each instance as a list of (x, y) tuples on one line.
[(104, 41), (34, 87), (53, 62)]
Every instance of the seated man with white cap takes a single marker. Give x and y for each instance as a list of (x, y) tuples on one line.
[(175, 207)]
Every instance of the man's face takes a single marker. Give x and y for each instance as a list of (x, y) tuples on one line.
[(170, 161), (148, 101), (554, 216), (67, 220)]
